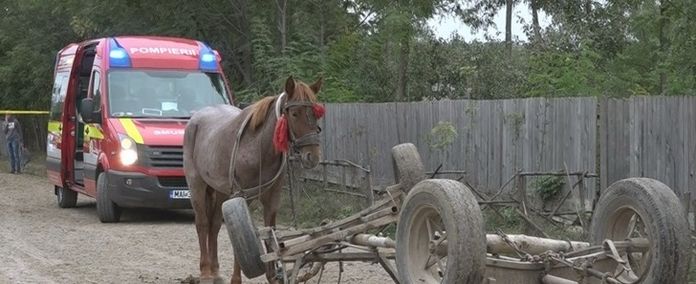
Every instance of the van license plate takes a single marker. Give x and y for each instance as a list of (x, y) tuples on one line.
[(180, 194)]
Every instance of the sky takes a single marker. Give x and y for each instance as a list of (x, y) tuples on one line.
[(445, 26)]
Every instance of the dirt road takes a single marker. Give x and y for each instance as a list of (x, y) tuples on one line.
[(41, 243)]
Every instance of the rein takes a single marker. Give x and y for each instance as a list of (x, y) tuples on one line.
[(305, 140)]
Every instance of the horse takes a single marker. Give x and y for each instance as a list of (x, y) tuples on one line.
[(230, 152)]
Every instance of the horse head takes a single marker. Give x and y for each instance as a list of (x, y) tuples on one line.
[(298, 122)]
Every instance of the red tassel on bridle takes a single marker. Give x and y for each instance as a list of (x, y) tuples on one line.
[(319, 110), (280, 135)]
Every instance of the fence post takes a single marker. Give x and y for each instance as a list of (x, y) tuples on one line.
[(291, 187), (522, 191), (369, 193), (343, 178), (325, 178)]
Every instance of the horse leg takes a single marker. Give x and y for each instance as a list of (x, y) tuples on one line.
[(215, 219), (200, 201), (271, 203), (236, 274)]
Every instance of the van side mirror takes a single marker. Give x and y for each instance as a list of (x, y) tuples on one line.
[(87, 111)]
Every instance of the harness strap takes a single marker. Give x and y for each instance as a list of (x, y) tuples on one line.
[(253, 192)]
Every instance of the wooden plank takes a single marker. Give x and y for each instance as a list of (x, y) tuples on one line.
[(603, 147), (692, 154)]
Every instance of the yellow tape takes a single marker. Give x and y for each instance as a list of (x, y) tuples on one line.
[(132, 130), (24, 112)]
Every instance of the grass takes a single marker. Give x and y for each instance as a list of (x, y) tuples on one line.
[(313, 205), (692, 270)]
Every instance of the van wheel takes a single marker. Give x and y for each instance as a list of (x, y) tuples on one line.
[(67, 198), (107, 210)]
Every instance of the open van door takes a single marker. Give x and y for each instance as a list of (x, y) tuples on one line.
[(73, 127)]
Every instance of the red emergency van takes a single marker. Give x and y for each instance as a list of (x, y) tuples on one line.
[(118, 111)]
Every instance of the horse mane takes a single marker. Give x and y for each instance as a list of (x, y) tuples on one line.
[(260, 108)]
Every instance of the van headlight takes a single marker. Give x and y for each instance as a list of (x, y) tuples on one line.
[(128, 154)]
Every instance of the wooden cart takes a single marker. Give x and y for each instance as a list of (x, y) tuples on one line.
[(639, 235)]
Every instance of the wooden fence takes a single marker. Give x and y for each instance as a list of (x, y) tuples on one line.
[(494, 139), (650, 137), (641, 136)]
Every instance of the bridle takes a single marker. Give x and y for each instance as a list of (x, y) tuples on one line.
[(313, 114), (282, 108)]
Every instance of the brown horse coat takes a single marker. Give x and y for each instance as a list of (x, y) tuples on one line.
[(209, 139)]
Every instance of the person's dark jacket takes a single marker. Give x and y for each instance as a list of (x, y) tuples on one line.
[(13, 130)]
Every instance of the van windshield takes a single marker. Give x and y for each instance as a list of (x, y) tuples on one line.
[(163, 94)]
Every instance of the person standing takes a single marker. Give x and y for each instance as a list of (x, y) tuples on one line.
[(13, 137)]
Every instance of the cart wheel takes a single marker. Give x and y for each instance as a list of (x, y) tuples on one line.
[(245, 243), (644, 208), (408, 168), (440, 236)]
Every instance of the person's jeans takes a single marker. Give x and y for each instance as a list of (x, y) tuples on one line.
[(15, 155)]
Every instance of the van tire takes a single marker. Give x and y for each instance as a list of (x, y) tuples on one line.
[(67, 198), (107, 210)]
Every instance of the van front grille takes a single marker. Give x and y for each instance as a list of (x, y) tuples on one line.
[(162, 156)]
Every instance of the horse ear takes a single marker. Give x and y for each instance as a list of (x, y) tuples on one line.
[(290, 86), (317, 85)]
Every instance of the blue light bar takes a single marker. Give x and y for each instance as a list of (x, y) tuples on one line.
[(208, 60), (118, 57)]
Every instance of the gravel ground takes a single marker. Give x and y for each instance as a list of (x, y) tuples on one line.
[(41, 243)]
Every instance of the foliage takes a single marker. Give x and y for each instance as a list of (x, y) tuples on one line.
[(376, 50), (548, 187), (442, 135), (505, 219)]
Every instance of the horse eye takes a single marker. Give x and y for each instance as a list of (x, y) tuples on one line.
[(294, 114)]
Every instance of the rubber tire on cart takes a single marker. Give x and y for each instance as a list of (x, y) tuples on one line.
[(407, 165), (242, 232), (67, 198), (107, 210), (662, 215), (463, 223)]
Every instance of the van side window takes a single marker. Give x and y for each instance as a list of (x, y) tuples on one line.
[(60, 89), (96, 92)]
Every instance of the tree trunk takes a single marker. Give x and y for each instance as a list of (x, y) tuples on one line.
[(245, 48), (508, 26), (282, 24), (403, 68), (535, 21), (663, 22), (322, 32)]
